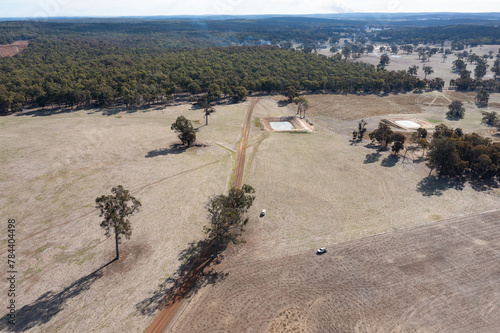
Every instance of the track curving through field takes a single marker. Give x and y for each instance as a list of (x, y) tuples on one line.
[(188, 279)]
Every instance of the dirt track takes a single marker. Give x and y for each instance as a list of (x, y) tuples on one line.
[(187, 281), (240, 162), (440, 277), (299, 177)]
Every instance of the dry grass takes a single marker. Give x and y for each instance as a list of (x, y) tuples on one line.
[(317, 189), (53, 168), (350, 107)]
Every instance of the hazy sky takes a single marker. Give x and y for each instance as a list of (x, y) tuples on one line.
[(43, 8)]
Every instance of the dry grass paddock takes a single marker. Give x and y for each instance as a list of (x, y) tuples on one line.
[(318, 189), (52, 169)]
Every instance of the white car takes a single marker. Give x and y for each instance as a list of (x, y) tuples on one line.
[(321, 250), (263, 213)]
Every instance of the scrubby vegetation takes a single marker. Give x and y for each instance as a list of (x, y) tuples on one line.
[(461, 35), (454, 153)]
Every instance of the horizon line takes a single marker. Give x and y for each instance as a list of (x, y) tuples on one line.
[(231, 15)]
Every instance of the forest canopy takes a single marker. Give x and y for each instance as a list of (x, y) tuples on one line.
[(81, 72), (134, 62)]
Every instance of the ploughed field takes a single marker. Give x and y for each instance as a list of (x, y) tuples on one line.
[(439, 277)]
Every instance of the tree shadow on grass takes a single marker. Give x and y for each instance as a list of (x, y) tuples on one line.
[(372, 158), (197, 129), (192, 274), (49, 304), (390, 161), (419, 159), (372, 145), (283, 103), (47, 112), (116, 110), (355, 142), (483, 184), (174, 149), (434, 186)]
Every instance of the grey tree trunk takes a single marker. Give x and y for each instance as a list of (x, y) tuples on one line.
[(116, 242)]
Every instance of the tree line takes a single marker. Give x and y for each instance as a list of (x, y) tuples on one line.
[(462, 35), (81, 73)]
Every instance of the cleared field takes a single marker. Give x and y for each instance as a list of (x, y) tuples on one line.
[(442, 277), (354, 107), (351, 107), (52, 169), (317, 188), (342, 112), (11, 50), (441, 68)]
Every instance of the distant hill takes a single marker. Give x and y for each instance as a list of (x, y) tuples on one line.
[(381, 19)]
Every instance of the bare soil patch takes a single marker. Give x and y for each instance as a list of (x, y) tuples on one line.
[(441, 277), (240, 160), (11, 50)]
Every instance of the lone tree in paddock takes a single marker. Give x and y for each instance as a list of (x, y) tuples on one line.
[(413, 70), (226, 216), (208, 110), (358, 135), (427, 71), (384, 61), (116, 209), (185, 129), (303, 105), (490, 118), (456, 110), (482, 97)]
